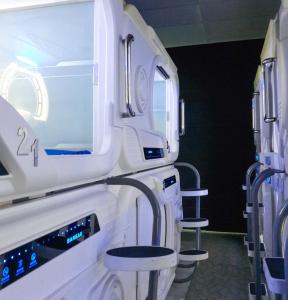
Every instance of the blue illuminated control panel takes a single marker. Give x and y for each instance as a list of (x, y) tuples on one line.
[(26, 258), (169, 181), (153, 153)]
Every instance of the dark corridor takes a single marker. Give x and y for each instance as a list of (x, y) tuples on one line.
[(216, 82)]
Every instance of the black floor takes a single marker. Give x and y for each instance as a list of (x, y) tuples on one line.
[(225, 275)]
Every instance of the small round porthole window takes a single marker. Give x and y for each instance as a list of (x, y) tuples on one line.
[(141, 90)]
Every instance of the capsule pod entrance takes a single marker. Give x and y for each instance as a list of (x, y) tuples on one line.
[(148, 110), (135, 211), (54, 245), (56, 92)]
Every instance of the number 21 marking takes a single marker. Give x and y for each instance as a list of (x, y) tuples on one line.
[(34, 148)]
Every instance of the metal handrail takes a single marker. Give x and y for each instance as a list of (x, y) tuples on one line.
[(269, 99), (156, 232), (249, 173), (128, 62), (198, 201), (255, 113), (256, 236)]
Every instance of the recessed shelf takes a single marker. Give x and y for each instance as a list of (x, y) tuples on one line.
[(275, 274)]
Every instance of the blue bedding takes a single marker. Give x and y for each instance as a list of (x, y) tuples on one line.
[(66, 152)]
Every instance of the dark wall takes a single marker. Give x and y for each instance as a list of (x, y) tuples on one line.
[(217, 83)]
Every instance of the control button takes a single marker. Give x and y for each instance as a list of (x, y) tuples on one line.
[(20, 263), (5, 275), (20, 269), (5, 272), (33, 256), (33, 260)]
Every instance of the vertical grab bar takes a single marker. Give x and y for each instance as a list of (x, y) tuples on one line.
[(249, 172), (182, 112), (255, 112), (156, 231), (256, 120), (128, 61), (269, 92), (198, 201), (254, 196)]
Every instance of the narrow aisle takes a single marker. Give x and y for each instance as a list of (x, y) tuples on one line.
[(226, 274)]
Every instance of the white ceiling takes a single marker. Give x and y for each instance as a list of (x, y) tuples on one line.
[(192, 22)]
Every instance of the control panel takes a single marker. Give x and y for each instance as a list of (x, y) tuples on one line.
[(169, 181), (28, 257), (153, 153)]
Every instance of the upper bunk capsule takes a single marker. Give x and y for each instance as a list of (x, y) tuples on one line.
[(268, 92), (149, 93), (256, 113), (282, 79), (272, 88), (87, 90), (57, 79)]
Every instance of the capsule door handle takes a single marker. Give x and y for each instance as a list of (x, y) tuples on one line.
[(269, 91), (255, 113), (182, 114), (128, 61)]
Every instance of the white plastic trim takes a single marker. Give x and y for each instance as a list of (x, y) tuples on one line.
[(196, 193), (269, 47), (194, 224), (8, 4), (140, 264), (196, 257), (257, 78)]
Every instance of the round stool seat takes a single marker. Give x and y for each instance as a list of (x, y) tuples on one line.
[(192, 192), (194, 222), (193, 255), (140, 258)]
